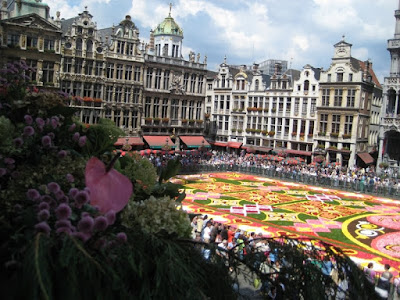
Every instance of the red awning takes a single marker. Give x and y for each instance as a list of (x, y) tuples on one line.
[(158, 141), (366, 157), (133, 141), (220, 144), (298, 152), (194, 141), (236, 145)]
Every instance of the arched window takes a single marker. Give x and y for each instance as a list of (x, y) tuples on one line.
[(257, 85), (89, 46), (79, 44), (306, 85)]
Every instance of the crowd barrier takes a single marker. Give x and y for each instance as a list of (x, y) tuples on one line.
[(353, 185)]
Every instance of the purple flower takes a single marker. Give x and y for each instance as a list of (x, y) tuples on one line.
[(86, 224), (110, 216), (121, 237), (87, 190), (54, 122), (63, 211), (15, 174), (81, 198), (28, 119), (47, 199), (9, 161), (51, 135), (44, 205), (33, 194), (72, 127), (40, 122), (82, 236), (46, 141), (29, 131), (43, 215), (63, 223), (82, 141), (43, 227), (60, 194), (63, 199), (70, 178), (62, 154), (100, 223), (53, 187), (3, 171), (18, 142), (72, 192), (76, 136)]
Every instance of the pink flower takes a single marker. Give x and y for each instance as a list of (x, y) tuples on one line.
[(63, 199), (29, 131), (33, 194), (121, 237), (43, 215), (39, 122), (28, 119), (3, 171), (60, 194), (100, 223), (66, 230), (53, 187), (9, 161), (63, 211), (43, 227), (54, 122), (47, 199), (110, 190), (86, 224), (51, 135)]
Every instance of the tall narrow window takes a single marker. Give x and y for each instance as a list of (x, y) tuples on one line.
[(200, 84), (158, 79), (164, 112), (323, 123), (351, 97), (325, 97), (348, 125), (110, 70), (166, 80), (335, 123), (174, 109), (149, 77), (128, 72), (338, 97), (193, 83), (48, 72), (156, 107), (137, 74), (184, 109)]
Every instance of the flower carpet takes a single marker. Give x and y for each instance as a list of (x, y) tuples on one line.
[(365, 227)]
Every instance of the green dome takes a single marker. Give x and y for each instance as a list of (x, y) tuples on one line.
[(168, 26)]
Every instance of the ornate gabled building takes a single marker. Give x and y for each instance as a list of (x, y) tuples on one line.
[(389, 134), (174, 88), (27, 33), (83, 65), (349, 91)]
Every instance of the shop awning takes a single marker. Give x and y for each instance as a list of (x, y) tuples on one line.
[(158, 141), (194, 141), (220, 144), (298, 152), (132, 141), (366, 157), (235, 145)]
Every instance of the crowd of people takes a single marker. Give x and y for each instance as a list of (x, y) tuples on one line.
[(271, 262), (357, 179)]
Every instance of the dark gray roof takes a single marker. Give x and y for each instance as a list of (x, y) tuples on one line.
[(211, 74), (317, 72), (66, 24), (294, 74), (102, 33)]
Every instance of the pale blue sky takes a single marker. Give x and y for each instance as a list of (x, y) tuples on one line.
[(247, 31)]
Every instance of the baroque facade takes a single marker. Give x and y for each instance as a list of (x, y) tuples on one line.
[(348, 109), (389, 134), (250, 109)]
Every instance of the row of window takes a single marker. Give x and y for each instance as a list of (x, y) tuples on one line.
[(338, 97), (188, 109), (335, 123), (13, 39)]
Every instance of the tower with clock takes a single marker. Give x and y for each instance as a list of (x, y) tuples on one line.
[(342, 49)]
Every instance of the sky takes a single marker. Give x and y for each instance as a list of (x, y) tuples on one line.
[(247, 31)]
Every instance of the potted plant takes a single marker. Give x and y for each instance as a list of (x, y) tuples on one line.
[(207, 116), (240, 130), (156, 119), (294, 133), (165, 120), (148, 119), (334, 134), (322, 133), (301, 134), (264, 132), (184, 121), (383, 165), (346, 135), (199, 121), (266, 110), (192, 120), (259, 109), (271, 133), (310, 135), (273, 110), (233, 129)]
